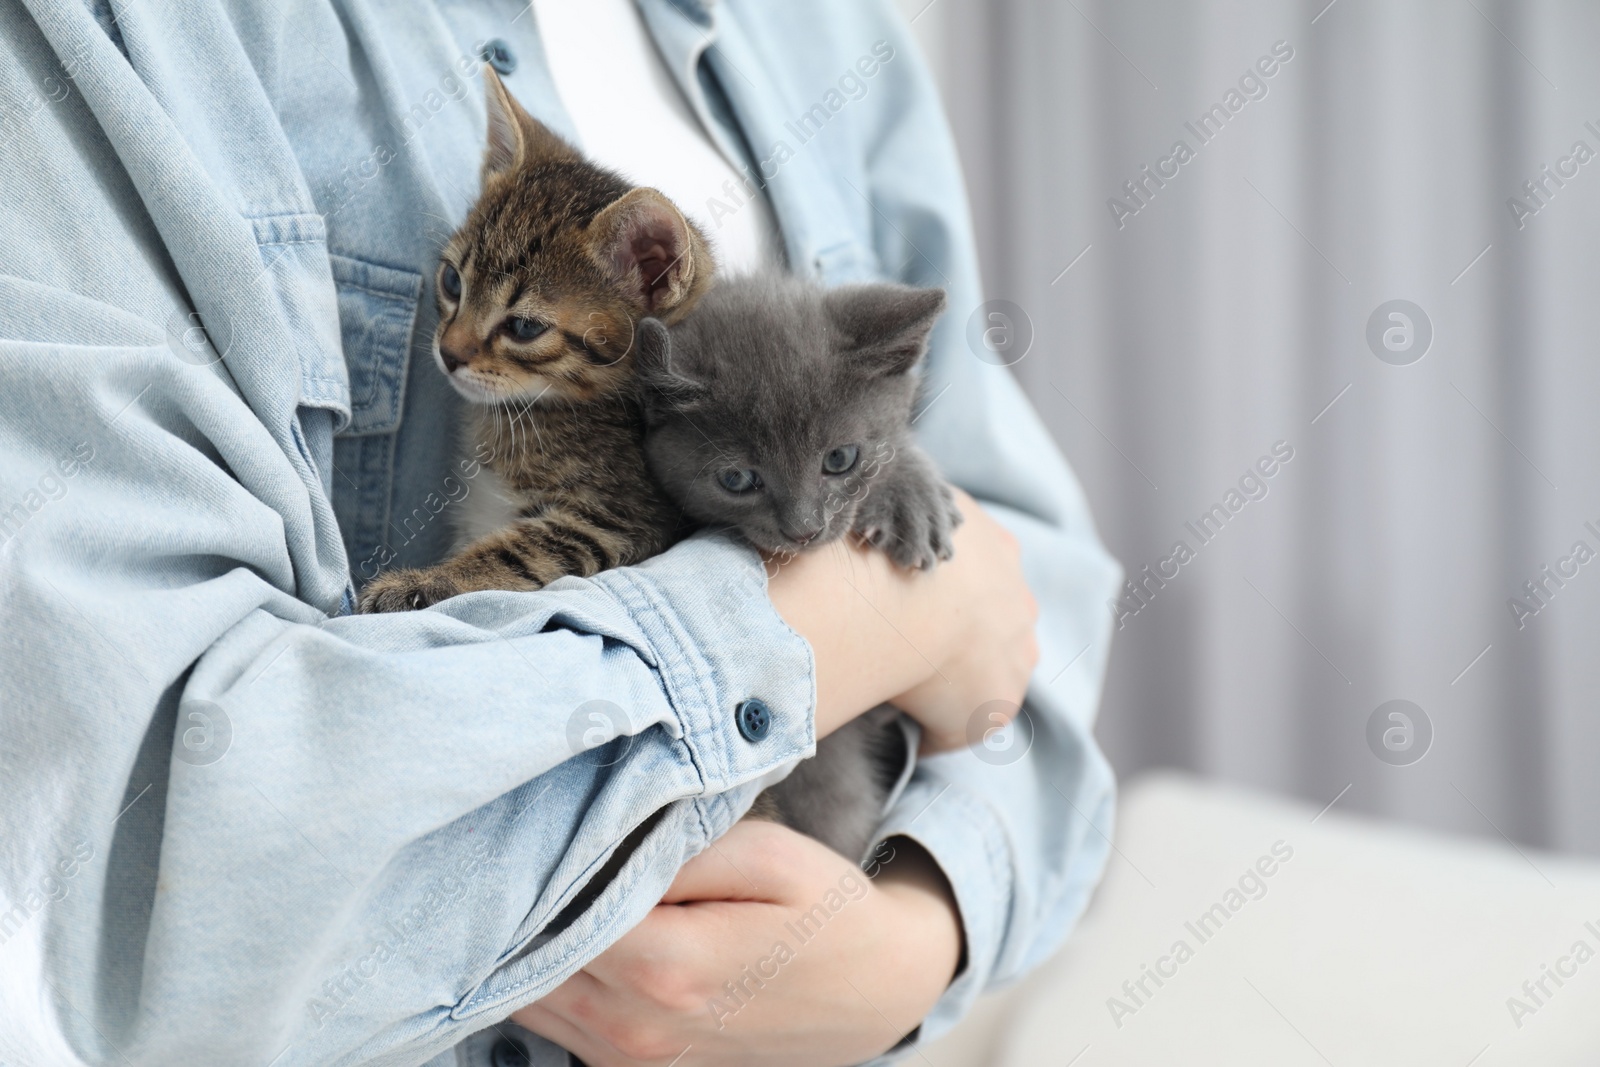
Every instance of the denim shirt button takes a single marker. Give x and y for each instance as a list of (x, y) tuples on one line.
[(507, 1053), (498, 55), (754, 719)]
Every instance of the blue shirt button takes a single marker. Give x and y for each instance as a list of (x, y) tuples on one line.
[(498, 55), (754, 719), (507, 1053)]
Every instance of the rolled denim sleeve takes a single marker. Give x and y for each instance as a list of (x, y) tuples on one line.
[(1020, 823), (335, 836), (240, 825)]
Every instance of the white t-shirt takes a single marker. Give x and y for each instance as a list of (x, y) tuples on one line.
[(633, 118)]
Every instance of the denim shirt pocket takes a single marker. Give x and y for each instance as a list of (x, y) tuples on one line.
[(377, 314), (377, 310)]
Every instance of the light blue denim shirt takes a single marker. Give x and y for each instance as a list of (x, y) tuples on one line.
[(242, 826)]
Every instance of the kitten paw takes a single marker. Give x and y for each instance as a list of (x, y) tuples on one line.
[(408, 590), (912, 522)]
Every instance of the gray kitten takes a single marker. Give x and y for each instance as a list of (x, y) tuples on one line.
[(782, 410)]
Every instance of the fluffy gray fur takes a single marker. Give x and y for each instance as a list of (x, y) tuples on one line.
[(772, 385)]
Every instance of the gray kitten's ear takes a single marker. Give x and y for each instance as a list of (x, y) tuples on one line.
[(516, 138), (885, 327), (654, 367), (643, 241)]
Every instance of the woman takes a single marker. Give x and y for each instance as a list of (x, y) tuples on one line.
[(245, 824)]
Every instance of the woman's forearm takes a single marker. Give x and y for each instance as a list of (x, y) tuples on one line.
[(857, 610), (938, 643)]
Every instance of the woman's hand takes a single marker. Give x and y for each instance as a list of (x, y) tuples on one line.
[(938, 644), (984, 599), (768, 948)]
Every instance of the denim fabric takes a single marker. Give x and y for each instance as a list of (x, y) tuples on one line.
[(241, 826)]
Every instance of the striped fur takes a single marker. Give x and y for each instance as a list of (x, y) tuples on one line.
[(574, 250)]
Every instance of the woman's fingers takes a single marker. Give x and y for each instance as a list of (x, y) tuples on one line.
[(552, 1027), (756, 861), (755, 982), (717, 875), (983, 593), (581, 1042), (606, 1024)]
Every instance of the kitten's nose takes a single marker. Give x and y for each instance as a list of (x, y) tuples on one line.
[(457, 347), (805, 537)]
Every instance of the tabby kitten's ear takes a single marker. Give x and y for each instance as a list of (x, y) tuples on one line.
[(885, 327), (654, 366), (516, 138), (643, 241)]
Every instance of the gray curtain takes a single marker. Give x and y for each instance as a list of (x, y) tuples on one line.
[(1187, 323)]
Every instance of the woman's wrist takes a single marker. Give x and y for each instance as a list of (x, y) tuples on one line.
[(922, 893), (941, 645), (864, 619)]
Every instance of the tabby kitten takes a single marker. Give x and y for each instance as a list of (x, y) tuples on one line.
[(539, 293), (783, 411)]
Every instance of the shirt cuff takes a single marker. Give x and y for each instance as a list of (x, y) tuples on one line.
[(720, 646), (971, 847)]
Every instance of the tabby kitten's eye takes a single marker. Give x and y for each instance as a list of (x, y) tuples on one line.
[(840, 459), (739, 481), (524, 329), (450, 282)]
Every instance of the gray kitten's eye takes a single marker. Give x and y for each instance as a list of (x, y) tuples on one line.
[(524, 329), (739, 481), (840, 459), (450, 281)]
